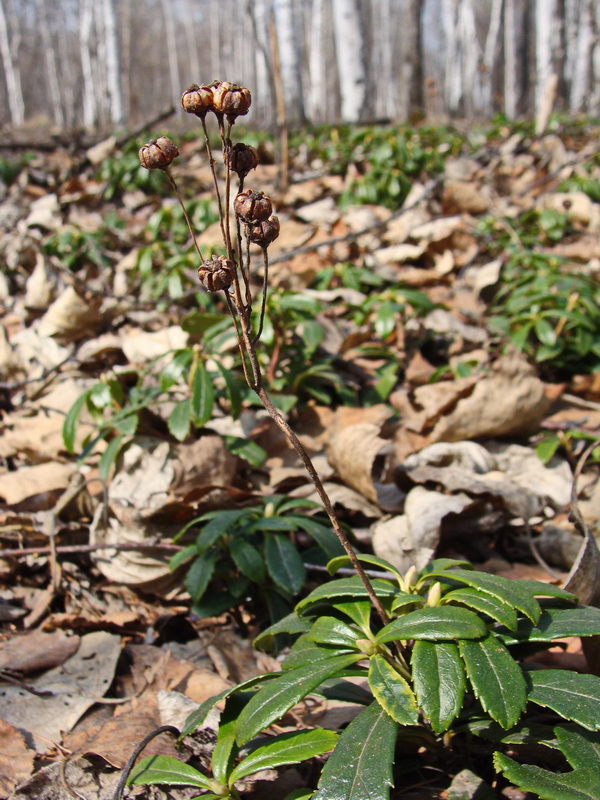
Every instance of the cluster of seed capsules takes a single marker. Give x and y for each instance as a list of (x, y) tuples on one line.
[(253, 210)]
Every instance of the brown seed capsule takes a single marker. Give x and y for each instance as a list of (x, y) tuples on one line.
[(242, 158), (158, 153), (231, 99), (252, 206), (197, 99), (263, 233), (216, 273)]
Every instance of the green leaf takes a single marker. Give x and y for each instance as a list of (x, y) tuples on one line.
[(359, 611), (582, 750), (496, 679), (224, 753), (323, 536), (284, 563), (71, 423), (508, 591), (247, 559), (545, 332), (109, 456), (232, 387), (345, 587), (199, 575), (392, 692), (556, 623), (220, 523), (290, 624), (360, 767), (276, 698), (248, 450), (435, 624), (484, 603), (126, 424), (575, 697), (197, 717), (180, 420), (547, 448), (364, 558), (329, 630), (439, 680), (185, 554), (168, 770), (287, 748), (203, 396)]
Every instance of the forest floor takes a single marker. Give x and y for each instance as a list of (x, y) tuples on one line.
[(442, 377)]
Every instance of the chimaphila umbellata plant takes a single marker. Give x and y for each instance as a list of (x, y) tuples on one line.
[(429, 660)]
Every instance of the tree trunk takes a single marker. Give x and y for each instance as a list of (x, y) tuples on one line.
[(89, 99), (172, 50), (8, 52), (111, 49), (350, 54), (410, 89), (51, 65), (288, 45)]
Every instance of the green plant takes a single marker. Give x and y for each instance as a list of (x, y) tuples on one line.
[(549, 313), (549, 443), (10, 168), (449, 665), (251, 553), (123, 173), (75, 247)]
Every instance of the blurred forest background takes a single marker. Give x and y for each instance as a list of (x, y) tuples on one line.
[(104, 64)]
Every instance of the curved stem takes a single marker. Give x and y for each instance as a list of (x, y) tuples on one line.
[(185, 213)]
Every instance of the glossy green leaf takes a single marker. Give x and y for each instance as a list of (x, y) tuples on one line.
[(276, 698), (392, 691), (169, 771), (323, 536), (364, 558), (575, 697), (582, 751), (304, 652), (541, 589), (496, 678), (292, 623), (360, 767), (232, 387), (330, 630), (247, 559), (183, 555), (506, 590), (486, 604), (198, 716), (250, 451), (439, 680), (180, 420), (287, 748), (434, 624), (359, 611), (71, 423), (219, 524), (556, 623), (199, 575), (203, 396), (224, 753), (284, 563), (344, 587)]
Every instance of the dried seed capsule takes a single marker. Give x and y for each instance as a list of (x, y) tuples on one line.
[(231, 99), (242, 158), (252, 206), (216, 273), (263, 233), (158, 153), (197, 99)]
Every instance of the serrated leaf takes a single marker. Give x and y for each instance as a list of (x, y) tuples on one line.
[(71, 422), (276, 698), (434, 624), (504, 589), (330, 630), (199, 575), (392, 692), (556, 623), (304, 652), (439, 680), (247, 559), (365, 558), (180, 420), (582, 750), (344, 587), (486, 604), (203, 396), (496, 679), (284, 563), (360, 767), (575, 697), (287, 748), (359, 611), (168, 770), (292, 623)]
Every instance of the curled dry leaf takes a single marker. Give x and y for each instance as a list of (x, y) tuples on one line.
[(70, 318)]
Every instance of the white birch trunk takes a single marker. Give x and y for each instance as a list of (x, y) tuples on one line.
[(544, 45), (410, 90), (89, 98), (191, 46), (350, 54), (113, 77), (12, 73), (289, 57), (51, 65), (316, 64), (172, 50), (510, 60)]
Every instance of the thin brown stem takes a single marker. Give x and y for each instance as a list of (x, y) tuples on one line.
[(212, 162), (185, 213), (263, 305)]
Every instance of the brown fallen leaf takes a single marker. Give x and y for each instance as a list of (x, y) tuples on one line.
[(16, 759), (35, 651)]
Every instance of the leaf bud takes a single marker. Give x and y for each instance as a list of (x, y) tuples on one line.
[(158, 153), (242, 158), (216, 273), (231, 99), (252, 206), (435, 594), (263, 233), (198, 99)]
